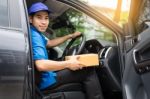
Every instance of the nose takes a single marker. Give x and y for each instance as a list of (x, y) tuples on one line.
[(44, 21)]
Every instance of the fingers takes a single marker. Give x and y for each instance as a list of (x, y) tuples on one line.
[(80, 63), (79, 67), (76, 66), (83, 65), (75, 57), (77, 34), (75, 63)]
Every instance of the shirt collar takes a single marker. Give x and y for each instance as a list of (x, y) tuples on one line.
[(33, 28)]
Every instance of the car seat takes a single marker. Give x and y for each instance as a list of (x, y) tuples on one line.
[(65, 91)]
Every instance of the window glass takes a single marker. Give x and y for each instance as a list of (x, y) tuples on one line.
[(15, 15), (4, 21), (10, 13), (116, 10), (73, 20)]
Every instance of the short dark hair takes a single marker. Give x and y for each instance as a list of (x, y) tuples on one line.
[(32, 14)]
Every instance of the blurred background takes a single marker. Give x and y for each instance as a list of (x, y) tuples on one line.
[(116, 10)]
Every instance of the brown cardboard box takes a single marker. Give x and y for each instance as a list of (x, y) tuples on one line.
[(87, 59)]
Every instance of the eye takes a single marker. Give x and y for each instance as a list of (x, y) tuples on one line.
[(46, 18), (39, 17)]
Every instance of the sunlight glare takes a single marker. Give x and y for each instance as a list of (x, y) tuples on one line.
[(110, 4)]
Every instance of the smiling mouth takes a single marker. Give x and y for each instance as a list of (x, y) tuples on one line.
[(42, 26)]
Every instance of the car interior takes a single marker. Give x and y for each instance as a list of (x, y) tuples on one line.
[(96, 38)]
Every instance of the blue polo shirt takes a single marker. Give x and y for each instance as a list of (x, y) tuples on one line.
[(39, 42)]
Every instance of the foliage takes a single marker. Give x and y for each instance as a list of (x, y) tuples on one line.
[(73, 20)]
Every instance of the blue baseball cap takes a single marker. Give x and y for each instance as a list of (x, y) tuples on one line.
[(39, 6)]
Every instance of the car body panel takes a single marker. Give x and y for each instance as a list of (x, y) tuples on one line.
[(136, 76), (12, 63), (14, 53)]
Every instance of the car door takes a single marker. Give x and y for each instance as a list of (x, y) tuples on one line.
[(14, 51), (136, 76)]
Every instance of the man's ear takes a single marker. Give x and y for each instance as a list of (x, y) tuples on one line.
[(30, 19)]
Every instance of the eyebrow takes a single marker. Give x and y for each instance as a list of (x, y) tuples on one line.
[(41, 15)]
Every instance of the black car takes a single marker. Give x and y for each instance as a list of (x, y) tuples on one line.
[(123, 69)]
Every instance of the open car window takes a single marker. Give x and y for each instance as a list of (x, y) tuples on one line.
[(115, 10), (107, 7), (73, 20)]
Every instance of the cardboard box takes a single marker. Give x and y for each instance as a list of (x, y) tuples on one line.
[(87, 59)]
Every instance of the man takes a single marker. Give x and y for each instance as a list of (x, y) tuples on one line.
[(55, 73)]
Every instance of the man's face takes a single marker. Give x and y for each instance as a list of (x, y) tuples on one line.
[(40, 20)]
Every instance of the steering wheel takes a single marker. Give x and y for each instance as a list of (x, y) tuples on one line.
[(75, 51)]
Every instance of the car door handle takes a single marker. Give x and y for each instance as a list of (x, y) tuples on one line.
[(141, 65)]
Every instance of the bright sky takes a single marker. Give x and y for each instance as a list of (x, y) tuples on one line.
[(110, 3)]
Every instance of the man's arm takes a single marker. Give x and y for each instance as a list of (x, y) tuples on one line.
[(60, 40), (50, 65)]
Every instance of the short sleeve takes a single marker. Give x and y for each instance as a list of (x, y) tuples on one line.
[(38, 46), (38, 53)]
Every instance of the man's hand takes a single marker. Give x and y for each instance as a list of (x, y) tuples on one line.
[(74, 64), (75, 34)]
